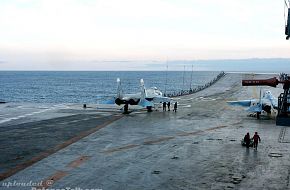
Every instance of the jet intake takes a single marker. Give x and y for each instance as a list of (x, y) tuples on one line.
[(118, 101), (267, 108)]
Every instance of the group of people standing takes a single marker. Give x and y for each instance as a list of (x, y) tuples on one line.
[(256, 138), (168, 106)]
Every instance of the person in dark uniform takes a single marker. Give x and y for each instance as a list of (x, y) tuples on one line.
[(175, 107), (168, 106), (247, 140), (164, 106)]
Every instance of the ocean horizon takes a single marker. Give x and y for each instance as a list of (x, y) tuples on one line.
[(91, 86), (253, 65)]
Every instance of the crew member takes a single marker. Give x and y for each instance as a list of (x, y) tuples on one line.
[(247, 140), (175, 107), (257, 139), (164, 106)]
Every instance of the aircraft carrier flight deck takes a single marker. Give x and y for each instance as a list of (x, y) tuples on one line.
[(198, 147)]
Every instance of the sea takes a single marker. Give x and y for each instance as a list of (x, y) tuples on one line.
[(91, 86)]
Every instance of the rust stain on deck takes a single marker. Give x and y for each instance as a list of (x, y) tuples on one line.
[(52, 179), (78, 162), (182, 134), (48, 182), (116, 149), (189, 133), (157, 140)]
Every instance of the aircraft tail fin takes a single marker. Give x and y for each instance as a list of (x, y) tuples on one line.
[(258, 107), (269, 96), (260, 98), (143, 102), (119, 89), (143, 90)]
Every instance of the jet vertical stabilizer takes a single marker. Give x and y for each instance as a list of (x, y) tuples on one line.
[(120, 95), (143, 89), (143, 102), (119, 89), (257, 107)]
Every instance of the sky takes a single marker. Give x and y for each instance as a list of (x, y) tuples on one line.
[(137, 34)]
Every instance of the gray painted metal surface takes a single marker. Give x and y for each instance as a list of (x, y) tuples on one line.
[(198, 147)]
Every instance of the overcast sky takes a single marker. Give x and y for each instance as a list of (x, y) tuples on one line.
[(96, 34)]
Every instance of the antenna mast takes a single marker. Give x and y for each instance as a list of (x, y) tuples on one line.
[(183, 77), (191, 76), (166, 77)]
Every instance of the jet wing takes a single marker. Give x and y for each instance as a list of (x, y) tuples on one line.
[(245, 103)]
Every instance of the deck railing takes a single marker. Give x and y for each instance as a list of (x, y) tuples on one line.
[(198, 88)]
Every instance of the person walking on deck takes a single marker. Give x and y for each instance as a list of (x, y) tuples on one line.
[(257, 139), (247, 140), (168, 106), (175, 107)]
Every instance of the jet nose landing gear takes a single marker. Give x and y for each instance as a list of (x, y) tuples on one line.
[(149, 108)]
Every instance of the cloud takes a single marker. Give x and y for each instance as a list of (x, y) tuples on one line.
[(70, 30)]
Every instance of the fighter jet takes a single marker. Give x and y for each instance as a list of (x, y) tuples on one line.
[(146, 98), (267, 102)]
